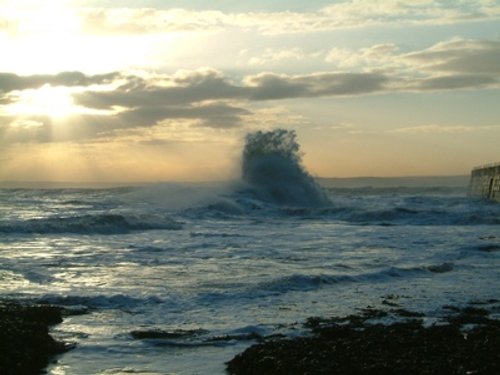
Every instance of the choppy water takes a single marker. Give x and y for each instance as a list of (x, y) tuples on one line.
[(224, 260), (252, 258)]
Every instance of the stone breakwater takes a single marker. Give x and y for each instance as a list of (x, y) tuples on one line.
[(25, 344), (485, 182)]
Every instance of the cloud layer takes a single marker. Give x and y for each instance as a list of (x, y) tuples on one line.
[(347, 14), (12, 82), (209, 98)]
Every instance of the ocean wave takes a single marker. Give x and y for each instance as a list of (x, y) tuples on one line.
[(427, 214), (216, 235), (478, 218), (272, 167), (356, 210), (116, 301), (300, 282), (307, 282), (89, 224), (395, 215), (303, 282)]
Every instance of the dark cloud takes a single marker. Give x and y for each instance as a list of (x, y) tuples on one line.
[(10, 82), (458, 81), (211, 85), (460, 56), (220, 115), (457, 64), (159, 142), (43, 129), (212, 99), (273, 86), (185, 89), (205, 95)]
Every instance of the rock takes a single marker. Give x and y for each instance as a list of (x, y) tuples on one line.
[(161, 334), (353, 346), (25, 344)]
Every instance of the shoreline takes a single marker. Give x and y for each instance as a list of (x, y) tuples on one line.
[(26, 347), (461, 341), (388, 340)]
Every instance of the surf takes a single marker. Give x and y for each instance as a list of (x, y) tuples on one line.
[(272, 167)]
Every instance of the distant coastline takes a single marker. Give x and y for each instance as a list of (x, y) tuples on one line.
[(390, 182), (329, 182)]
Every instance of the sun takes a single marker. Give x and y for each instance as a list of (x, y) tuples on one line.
[(54, 102)]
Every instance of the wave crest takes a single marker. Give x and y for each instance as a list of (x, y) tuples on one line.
[(89, 224), (272, 165)]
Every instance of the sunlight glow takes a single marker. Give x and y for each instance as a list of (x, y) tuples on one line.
[(55, 102)]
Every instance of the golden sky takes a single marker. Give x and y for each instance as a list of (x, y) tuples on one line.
[(166, 90)]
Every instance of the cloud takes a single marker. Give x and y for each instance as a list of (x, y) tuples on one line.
[(11, 82), (439, 129), (6, 99), (453, 82), (212, 98), (206, 96), (449, 65), (15, 130), (344, 14), (460, 56), (217, 115), (181, 88), (456, 64), (271, 86), (150, 21), (158, 142), (209, 98), (271, 116), (379, 55), (202, 94), (353, 13), (272, 55), (413, 12)]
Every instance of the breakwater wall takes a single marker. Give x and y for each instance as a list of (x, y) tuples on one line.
[(485, 182)]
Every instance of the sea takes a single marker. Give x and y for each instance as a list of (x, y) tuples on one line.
[(218, 265)]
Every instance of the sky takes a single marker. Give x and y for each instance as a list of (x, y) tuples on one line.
[(160, 90)]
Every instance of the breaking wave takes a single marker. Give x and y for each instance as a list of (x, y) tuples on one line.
[(304, 282), (272, 166), (310, 282), (98, 301), (89, 224)]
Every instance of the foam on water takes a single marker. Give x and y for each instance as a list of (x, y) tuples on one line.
[(242, 261)]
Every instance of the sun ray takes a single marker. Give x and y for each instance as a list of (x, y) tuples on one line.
[(55, 102)]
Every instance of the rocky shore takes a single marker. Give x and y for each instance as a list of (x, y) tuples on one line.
[(25, 344), (379, 341)]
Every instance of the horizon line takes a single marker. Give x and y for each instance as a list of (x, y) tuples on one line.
[(149, 182)]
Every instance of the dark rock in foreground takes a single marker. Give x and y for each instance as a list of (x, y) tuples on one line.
[(161, 334), (467, 341), (25, 343)]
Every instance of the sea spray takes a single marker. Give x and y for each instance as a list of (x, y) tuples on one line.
[(272, 165)]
